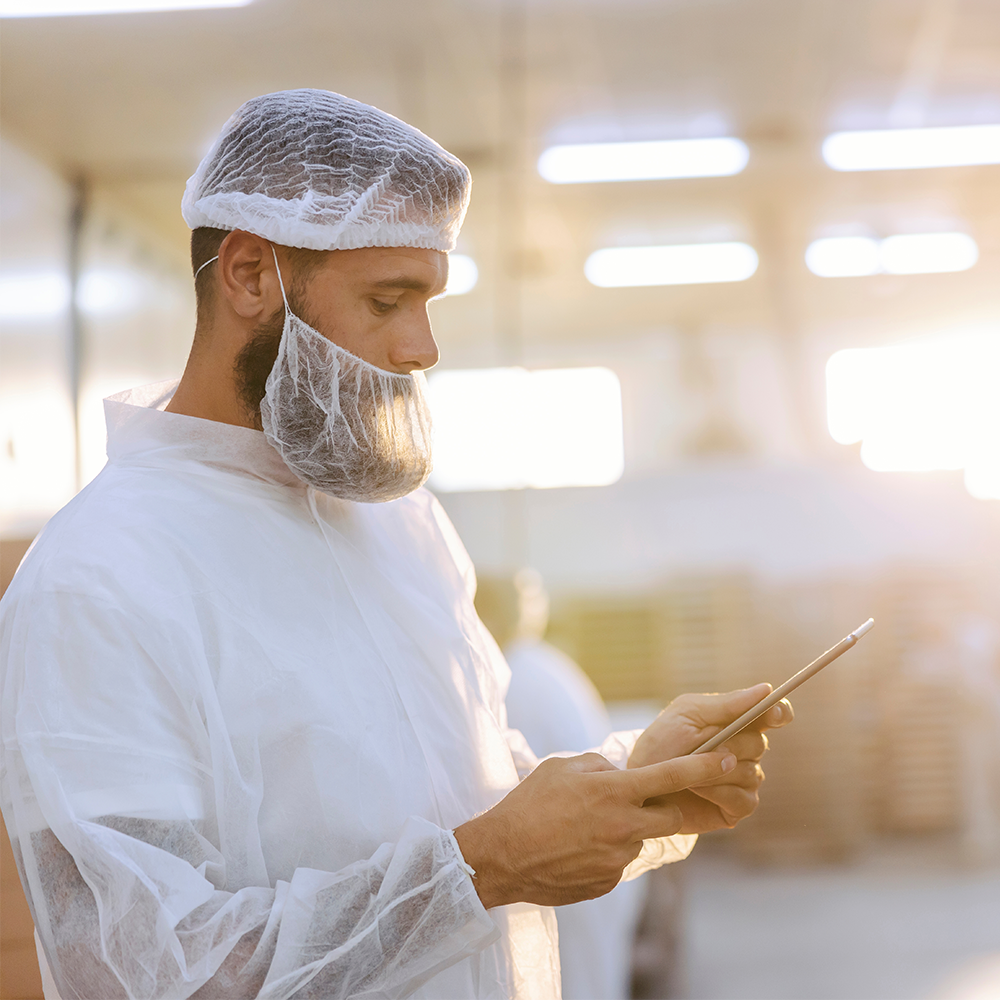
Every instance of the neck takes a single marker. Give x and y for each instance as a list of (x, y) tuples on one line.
[(208, 387)]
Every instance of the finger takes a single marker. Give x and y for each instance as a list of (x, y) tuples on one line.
[(733, 802), (660, 819), (642, 783), (721, 709), (747, 774), (746, 745)]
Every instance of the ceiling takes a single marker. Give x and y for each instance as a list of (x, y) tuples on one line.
[(130, 102), (135, 99)]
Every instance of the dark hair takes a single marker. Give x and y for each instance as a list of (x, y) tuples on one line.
[(205, 244)]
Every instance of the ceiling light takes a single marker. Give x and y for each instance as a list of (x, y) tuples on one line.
[(912, 148), (692, 264), (843, 257), (509, 428), (919, 253), (928, 253), (643, 161), (462, 274), (64, 8)]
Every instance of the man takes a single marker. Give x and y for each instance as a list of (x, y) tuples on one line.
[(253, 730)]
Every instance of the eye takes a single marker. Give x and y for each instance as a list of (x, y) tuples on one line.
[(382, 307)]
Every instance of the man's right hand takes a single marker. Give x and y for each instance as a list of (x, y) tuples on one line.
[(569, 829)]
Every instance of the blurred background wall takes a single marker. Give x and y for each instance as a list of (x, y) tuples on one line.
[(737, 537)]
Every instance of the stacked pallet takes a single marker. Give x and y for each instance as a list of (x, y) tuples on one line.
[(812, 804), (616, 640), (920, 700), (708, 629)]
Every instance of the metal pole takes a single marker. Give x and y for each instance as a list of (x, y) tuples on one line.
[(77, 218), (513, 115)]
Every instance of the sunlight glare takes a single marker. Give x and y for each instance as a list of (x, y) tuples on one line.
[(923, 405)]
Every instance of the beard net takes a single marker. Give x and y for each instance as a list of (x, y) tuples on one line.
[(316, 170), (342, 425)]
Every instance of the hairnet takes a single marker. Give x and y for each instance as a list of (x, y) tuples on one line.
[(314, 169)]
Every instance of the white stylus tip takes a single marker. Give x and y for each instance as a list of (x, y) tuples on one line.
[(861, 629)]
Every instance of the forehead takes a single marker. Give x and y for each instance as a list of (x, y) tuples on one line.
[(391, 267)]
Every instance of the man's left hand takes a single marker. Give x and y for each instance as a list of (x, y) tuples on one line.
[(690, 720)]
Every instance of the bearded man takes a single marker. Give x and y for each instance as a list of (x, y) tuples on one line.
[(254, 738)]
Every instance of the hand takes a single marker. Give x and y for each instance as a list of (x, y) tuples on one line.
[(690, 720), (568, 830)]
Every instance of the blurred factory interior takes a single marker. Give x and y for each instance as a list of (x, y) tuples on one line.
[(710, 498)]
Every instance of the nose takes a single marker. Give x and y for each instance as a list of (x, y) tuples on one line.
[(413, 347)]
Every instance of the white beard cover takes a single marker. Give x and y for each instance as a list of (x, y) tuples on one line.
[(342, 425)]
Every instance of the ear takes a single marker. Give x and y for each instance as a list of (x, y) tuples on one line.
[(247, 276)]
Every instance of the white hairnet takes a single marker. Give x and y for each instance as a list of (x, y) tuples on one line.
[(314, 169)]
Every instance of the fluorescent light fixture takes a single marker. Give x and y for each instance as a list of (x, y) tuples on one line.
[(921, 253), (920, 406), (33, 296), (690, 264), (913, 148), (843, 256), (509, 428), (65, 8), (643, 161), (928, 253), (462, 274)]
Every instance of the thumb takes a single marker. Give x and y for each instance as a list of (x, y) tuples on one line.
[(674, 775)]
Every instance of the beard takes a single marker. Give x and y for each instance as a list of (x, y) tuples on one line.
[(254, 363), (344, 426)]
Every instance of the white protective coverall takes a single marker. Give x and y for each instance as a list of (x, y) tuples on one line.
[(240, 719), (556, 707)]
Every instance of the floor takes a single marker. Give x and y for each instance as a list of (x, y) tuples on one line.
[(902, 923)]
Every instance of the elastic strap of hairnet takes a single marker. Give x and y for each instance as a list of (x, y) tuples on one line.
[(203, 266), (277, 267)]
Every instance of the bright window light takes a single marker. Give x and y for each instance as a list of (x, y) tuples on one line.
[(643, 161), (691, 264), (63, 8), (924, 405), (509, 428), (912, 148), (462, 274), (109, 291), (921, 253), (33, 295)]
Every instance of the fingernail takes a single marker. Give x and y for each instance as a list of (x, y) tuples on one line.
[(728, 763)]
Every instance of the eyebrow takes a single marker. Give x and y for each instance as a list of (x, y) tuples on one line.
[(415, 284)]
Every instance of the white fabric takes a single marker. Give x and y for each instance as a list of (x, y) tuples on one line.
[(314, 169), (306, 685), (557, 708), (343, 425)]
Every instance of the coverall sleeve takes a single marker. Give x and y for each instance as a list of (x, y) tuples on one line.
[(110, 800)]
